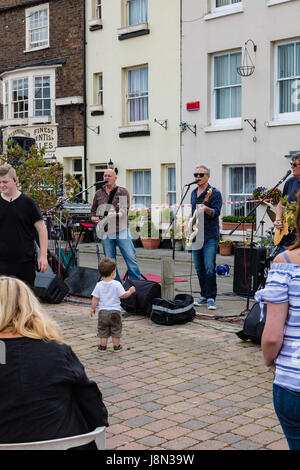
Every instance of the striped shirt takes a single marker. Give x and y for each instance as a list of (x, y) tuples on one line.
[(283, 285)]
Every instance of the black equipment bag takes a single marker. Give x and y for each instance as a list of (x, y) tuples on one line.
[(254, 324), (141, 301), (172, 312)]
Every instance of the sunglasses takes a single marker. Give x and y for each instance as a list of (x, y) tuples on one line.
[(294, 165), (199, 174)]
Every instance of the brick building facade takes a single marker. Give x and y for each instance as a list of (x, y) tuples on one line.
[(42, 75)]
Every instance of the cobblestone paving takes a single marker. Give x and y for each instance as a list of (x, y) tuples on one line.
[(193, 386)]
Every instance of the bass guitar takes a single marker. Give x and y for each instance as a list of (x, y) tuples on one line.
[(192, 226)]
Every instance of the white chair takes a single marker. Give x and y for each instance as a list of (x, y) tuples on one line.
[(98, 435)]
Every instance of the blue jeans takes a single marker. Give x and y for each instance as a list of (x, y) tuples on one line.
[(205, 265), (287, 407), (124, 242)]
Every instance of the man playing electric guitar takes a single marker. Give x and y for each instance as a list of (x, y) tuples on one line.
[(290, 189), (205, 258)]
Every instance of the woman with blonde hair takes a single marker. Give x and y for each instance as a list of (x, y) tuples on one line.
[(45, 392), (281, 336)]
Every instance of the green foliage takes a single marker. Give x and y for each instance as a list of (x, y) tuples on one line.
[(237, 218), (43, 182), (149, 230)]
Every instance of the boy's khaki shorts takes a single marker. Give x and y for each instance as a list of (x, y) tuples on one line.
[(109, 324)]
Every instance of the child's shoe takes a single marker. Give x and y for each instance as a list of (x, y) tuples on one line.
[(117, 348), (101, 348)]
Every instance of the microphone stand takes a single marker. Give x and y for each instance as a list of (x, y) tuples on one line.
[(59, 205), (250, 276), (173, 221)]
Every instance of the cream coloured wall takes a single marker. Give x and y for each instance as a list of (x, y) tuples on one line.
[(202, 37), (107, 55)]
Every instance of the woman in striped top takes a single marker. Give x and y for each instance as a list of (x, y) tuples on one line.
[(281, 336)]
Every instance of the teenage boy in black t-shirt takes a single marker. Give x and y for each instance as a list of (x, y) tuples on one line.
[(20, 220)]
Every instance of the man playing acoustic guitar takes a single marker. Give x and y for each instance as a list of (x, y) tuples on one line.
[(210, 200), (290, 189)]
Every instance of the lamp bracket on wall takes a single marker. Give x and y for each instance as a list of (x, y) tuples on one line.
[(252, 123), (163, 124), (184, 126), (94, 129)]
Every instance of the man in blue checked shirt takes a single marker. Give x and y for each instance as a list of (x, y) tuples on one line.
[(205, 258)]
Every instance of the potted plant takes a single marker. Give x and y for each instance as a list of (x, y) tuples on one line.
[(225, 247), (230, 221), (150, 235)]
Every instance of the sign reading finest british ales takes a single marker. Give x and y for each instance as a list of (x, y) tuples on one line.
[(45, 136)]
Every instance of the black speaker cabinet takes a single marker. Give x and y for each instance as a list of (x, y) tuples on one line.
[(248, 266), (81, 281), (50, 288)]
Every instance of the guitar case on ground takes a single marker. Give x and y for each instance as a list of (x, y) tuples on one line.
[(254, 324), (172, 312)]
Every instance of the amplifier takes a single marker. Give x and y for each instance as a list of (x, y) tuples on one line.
[(248, 269)]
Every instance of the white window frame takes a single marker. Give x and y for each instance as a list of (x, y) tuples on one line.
[(28, 14), (270, 3), (98, 9), (248, 196), (128, 13), (100, 89), (292, 117), (168, 191), (134, 195), (30, 75), (228, 123), (144, 121)]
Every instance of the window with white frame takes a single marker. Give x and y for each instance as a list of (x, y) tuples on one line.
[(141, 188), (77, 172), (98, 9), (224, 3), (137, 12), (29, 95), (137, 96), (171, 185), (100, 89), (241, 183), (19, 98), (288, 80), (227, 87), (37, 27)]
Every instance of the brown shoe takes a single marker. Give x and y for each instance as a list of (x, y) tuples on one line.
[(117, 348)]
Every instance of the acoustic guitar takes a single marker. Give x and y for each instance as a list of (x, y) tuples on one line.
[(279, 233), (192, 227)]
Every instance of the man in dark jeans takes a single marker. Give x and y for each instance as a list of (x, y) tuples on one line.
[(20, 220), (210, 201)]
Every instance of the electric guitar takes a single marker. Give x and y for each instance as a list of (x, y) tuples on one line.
[(192, 227), (100, 228)]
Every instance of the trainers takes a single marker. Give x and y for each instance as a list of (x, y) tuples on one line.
[(200, 301), (117, 348), (211, 305), (101, 348)]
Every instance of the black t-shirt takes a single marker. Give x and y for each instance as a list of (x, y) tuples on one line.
[(290, 188), (45, 393), (17, 231)]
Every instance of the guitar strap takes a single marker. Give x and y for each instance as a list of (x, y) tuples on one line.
[(109, 201)]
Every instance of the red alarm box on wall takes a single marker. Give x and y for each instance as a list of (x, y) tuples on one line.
[(193, 106)]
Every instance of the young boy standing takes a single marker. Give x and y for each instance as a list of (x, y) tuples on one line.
[(107, 295)]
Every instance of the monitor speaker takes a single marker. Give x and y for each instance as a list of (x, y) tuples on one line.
[(248, 269), (81, 281), (49, 287)]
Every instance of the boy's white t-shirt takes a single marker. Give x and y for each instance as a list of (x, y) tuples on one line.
[(109, 294)]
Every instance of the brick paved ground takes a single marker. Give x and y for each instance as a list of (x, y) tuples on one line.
[(194, 386)]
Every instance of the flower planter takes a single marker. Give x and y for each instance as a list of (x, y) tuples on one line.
[(150, 243), (232, 225), (225, 250)]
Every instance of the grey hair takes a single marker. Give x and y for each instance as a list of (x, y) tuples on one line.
[(205, 168), (296, 156)]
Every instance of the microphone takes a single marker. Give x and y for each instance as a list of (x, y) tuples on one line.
[(101, 182), (193, 182), (285, 176)]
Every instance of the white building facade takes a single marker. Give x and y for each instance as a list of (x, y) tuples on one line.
[(133, 90), (245, 125)]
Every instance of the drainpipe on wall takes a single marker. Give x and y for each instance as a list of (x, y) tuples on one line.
[(84, 105)]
